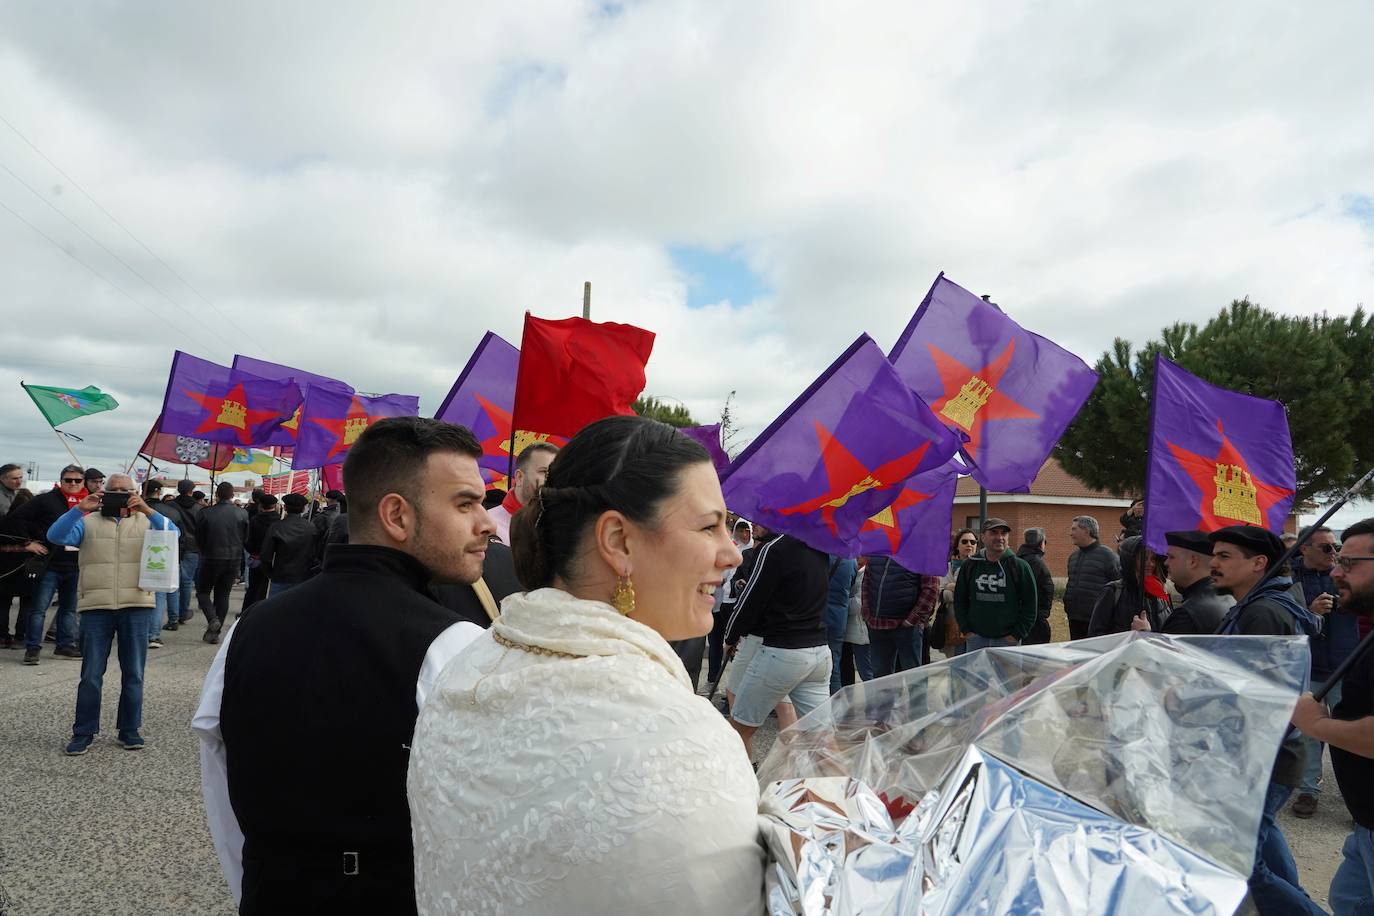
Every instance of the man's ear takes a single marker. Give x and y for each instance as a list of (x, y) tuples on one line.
[(396, 517), (611, 542)]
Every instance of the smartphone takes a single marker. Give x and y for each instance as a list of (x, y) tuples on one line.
[(111, 503)]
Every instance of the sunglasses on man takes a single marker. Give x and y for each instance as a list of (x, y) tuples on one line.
[(73, 480)]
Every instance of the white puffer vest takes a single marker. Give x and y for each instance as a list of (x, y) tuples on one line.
[(110, 558)]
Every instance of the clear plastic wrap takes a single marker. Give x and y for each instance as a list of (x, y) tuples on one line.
[(1056, 778)]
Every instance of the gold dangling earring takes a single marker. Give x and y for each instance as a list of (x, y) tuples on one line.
[(623, 598)]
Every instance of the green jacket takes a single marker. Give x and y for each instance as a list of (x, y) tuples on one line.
[(995, 599)]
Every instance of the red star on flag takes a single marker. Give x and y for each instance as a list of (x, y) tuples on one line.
[(230, 412), (954, 375), (347, 428), (1240, 493), (848, 477), (889, 521)]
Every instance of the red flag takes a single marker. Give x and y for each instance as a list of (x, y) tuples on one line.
[(213, 456), (574, 372)]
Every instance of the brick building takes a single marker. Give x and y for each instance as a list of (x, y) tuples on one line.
[(1055, 498)]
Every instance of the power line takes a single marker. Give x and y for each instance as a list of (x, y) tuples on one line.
[(121, 289), (76, 184)]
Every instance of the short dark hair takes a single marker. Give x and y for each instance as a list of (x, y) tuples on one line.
[(6, 468), (151, 488), (224, 491), (522, 460), (198, 495), (390, 456), (74, 467), (186, 485), (630, 464), (1309, 530), (1364, 526)]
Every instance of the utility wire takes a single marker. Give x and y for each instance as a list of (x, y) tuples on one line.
[(127, 231), (125, 293)]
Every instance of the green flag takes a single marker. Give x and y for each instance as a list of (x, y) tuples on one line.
[(58, 405)]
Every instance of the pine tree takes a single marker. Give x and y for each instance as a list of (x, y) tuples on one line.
[(674, 415), (1318, 367)]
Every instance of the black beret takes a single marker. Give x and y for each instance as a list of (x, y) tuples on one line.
[(1251, 537), (294, 501), (1195, 541)]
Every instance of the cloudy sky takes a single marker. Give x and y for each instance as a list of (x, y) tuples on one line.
[(363, 189)]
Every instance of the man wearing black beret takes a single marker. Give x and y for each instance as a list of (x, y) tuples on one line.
[(1241, 556), (1189, 563)]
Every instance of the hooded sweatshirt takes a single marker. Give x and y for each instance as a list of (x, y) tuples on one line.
[(1126, 597)]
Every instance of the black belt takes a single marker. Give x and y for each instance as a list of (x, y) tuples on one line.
[(350, 862)]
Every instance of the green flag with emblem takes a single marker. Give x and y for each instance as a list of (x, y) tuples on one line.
[(58, 405)]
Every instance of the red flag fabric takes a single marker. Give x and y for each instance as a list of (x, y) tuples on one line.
[(331, 476), (574, 372), (213, 456)]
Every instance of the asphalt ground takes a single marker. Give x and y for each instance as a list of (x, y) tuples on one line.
[(123, 832)]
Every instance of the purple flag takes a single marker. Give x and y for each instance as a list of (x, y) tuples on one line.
[(1217, 458), (481, 399), (214, 402), (332, 420), (915, 529), (1007, 392), (709, 437), (286, 435), (839, 454)]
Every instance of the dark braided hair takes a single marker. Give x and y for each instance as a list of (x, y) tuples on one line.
[(630, 464)]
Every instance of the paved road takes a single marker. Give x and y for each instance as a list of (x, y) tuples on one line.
[(116, 831)]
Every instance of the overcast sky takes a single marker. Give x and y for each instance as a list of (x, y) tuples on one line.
[(363, 189)]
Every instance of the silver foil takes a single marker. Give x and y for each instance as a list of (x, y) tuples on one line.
[(1118, 774)]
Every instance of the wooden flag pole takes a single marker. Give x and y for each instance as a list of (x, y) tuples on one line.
[(65, 444)]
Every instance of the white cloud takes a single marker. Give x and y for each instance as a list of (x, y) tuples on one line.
[(365, 190)]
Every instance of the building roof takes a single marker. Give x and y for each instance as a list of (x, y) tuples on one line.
[(1052, 481)]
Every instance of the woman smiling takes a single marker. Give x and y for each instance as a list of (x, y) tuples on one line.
[(563, 763)]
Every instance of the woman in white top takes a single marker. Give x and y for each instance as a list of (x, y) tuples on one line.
[(563, 763)]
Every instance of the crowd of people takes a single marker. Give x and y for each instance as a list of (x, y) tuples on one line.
[(508, 685)]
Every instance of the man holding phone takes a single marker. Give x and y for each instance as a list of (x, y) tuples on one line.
[(110, 603)]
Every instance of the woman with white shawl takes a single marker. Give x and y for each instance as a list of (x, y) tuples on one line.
[(563, 762)]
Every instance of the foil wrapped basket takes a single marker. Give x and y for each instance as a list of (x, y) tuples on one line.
[(1124, 774)]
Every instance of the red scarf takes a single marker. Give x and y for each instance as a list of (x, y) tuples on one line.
[(73, 500), (1155, 588), (510, 503)]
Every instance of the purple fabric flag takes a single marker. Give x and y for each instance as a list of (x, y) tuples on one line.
[(1007, 392), (915, 529), (214, 402), (481, 399), (286, 435), (332, 420), (1217, 458), (709, 437), (839, 454)]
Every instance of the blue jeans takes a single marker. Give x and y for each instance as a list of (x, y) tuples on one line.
[(276, 588), (1274, 884), (63, 584), (190, 565), (134, 627), (836, 619), (800, 674), (1352, 886), (168, 609), (898, 649), (1314, 748)]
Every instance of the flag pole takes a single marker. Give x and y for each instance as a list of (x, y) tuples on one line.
[(63, 439), (587, 300)]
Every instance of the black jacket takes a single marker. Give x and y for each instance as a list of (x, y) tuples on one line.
[(1124, 598), (184, 513), (32, 521), (288, 549), (1090, 569), (783, 598), (259, 523), (498, 571), (1200, 611), (890, 589), (317, 742), (1044, 581), (221, 531)]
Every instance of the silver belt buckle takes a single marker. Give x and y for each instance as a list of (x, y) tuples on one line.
[(350, 863)]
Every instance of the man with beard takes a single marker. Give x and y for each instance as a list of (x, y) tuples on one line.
[(1241, 557), (1189, 563), (1314, 587), (1349, 728), (531, 468), (308, 710)]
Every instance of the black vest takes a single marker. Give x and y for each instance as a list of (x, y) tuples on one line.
[(317, 715)]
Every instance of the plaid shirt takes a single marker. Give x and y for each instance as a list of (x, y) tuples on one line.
[(926, 601)]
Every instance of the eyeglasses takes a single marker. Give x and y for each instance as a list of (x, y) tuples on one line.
[(1346, 562), (72, 480)]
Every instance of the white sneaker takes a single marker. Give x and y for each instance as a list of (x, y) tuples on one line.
[(154, 643)]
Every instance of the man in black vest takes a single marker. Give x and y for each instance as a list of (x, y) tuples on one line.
[(308, 711)]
